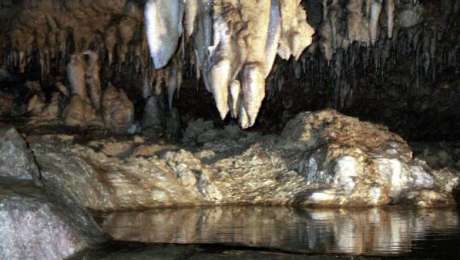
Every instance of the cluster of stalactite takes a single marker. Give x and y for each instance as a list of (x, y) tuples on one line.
[(419, 39), (235, 44), (231, 46)]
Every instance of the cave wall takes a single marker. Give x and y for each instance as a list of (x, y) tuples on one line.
[(406, 78)]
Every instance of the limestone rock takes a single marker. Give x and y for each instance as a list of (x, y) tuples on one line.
[(109, 183), (118, 110), (362, 162), (78, 112), (16, 160), (32, 226), (321, 159)]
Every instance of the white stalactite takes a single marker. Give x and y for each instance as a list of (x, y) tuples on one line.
[(164, 28), (376, 9), (235, 45)]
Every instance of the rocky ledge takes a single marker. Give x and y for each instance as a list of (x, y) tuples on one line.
[(320, 159)]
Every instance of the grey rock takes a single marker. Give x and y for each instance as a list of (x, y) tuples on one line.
[(154, 116), (16, 160), (33, 226)]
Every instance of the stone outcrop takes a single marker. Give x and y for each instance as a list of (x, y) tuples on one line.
[(34, 226), (320, 159), (16, 160)]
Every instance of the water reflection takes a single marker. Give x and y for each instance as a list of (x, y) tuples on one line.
[(371, 231)]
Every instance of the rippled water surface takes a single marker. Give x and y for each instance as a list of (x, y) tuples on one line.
[(389, 231)]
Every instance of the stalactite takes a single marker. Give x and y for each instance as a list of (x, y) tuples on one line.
[(164, 28)]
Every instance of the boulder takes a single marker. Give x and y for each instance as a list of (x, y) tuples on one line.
[(16, 160), (362, 164), (34, 226)]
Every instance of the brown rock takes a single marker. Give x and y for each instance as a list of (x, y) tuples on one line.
[(118, 111), (78, 112)]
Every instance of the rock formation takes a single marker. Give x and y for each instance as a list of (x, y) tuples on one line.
[(117, 109), (231, 49), (17, 160), (321, 159), (235, 46), (79, 112), (34, 226)]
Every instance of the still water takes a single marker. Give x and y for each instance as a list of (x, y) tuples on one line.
[(371, 232)]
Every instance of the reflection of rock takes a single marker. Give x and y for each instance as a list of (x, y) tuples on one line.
[(321, 159), (16, 160), (78, 112), (32, 226), (362, 231), (118, 111)]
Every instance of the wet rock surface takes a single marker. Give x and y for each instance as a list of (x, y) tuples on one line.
[(320, 159), (34, 225)]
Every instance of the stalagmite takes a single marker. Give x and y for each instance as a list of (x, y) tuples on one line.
[(79, 112), (92, 78), (164, 28), (118, 110), (76, 76)]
